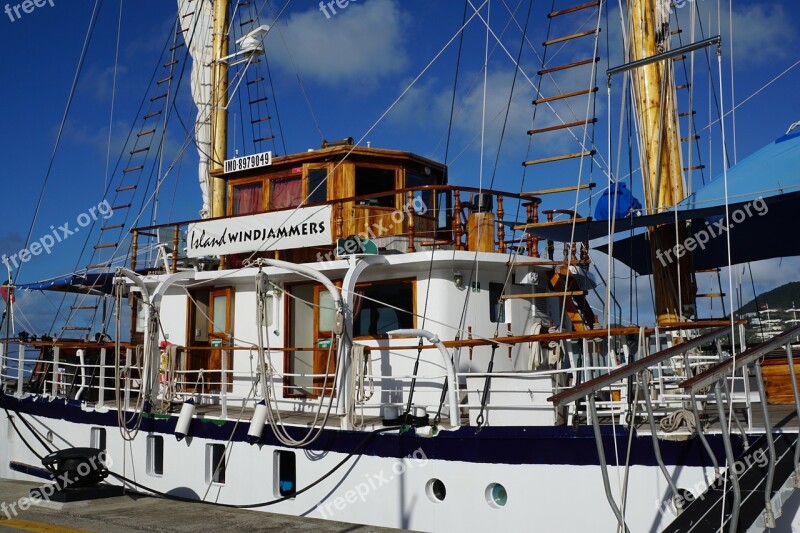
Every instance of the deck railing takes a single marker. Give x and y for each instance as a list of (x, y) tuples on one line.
[(87, 372), (423, 217)]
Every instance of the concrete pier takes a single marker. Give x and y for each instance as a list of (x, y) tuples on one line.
[(141, 513)]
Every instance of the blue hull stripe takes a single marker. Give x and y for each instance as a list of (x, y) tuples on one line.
[(533, 445)]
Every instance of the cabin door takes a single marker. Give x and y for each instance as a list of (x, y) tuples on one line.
[(210, 321), (308, 329)]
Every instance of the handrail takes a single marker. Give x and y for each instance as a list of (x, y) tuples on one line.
[(600, 382), (723, 368), (556, 336)]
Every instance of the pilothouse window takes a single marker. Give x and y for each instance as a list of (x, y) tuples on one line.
[(373, 181), (248, 198), (317, 190), (286, 192)]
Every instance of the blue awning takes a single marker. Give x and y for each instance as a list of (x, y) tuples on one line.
[(97, 284), (769, 176), (763, 193)]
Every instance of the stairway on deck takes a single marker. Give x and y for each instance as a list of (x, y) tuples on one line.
[(712, 510)]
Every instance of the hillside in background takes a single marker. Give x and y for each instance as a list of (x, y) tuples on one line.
[(783, 297)]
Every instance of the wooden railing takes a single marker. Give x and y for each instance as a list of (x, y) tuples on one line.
[(445, 221)]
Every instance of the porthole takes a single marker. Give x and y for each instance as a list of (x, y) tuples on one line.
[(496, 495), (436, 490)]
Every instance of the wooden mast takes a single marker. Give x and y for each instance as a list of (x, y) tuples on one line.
[(219, 100), (654, 95)]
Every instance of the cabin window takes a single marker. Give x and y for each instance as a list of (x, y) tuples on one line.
[(248, 198), (497, 307), (286, 192), (327, 311), (269, 311), (372, 182), (317, 188), (215, 463), (140, 316), (155, 455), (382, 307), (423, 200)]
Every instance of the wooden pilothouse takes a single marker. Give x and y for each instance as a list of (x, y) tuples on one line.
[(386, 196)]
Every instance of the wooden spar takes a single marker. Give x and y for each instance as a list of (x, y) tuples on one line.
[(219, 112), (660, 157)]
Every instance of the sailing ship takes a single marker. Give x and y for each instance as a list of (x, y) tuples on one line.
[(346, 334)]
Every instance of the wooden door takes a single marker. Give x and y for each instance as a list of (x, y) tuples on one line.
[(220, 335), (324, 341)]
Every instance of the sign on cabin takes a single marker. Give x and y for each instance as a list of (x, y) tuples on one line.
[(264, 159), (281, 230)]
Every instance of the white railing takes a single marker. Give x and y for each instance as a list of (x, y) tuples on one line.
[(89, 375)]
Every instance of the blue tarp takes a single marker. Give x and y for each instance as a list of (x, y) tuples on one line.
[(622, 203)]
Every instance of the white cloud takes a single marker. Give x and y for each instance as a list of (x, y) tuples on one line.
[(359, 45), (761, 31)]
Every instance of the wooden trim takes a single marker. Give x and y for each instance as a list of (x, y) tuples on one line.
[(699, 324), (555, 190), (571, 37), (573, 9), (335, 154), (553, 159), (566, 66), (566, 125), (542, 295), (564, 96), (532, 225)]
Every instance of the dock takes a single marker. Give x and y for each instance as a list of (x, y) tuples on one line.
[(136, 512)]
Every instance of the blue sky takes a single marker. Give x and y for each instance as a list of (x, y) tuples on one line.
[(353, 65)]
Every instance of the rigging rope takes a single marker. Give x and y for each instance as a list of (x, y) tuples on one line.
[(265, 364), (87, 40)]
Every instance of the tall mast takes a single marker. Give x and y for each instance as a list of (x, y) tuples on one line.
[(659, 142), (219, 100)]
